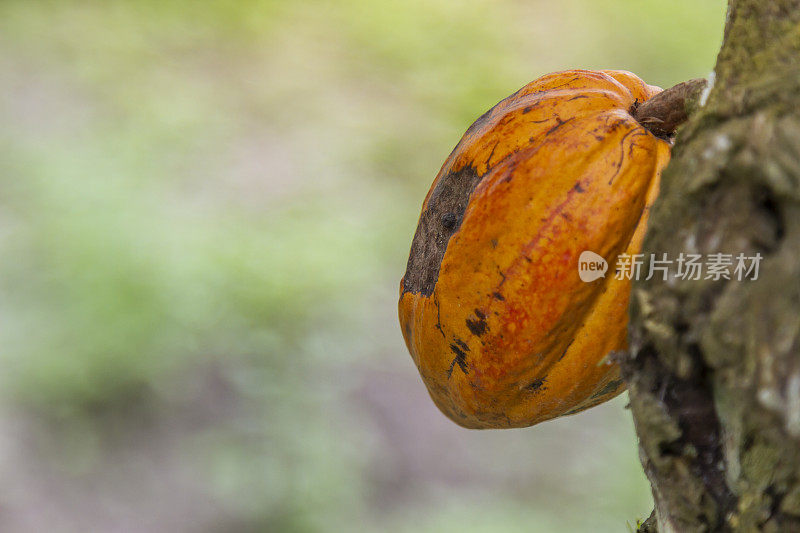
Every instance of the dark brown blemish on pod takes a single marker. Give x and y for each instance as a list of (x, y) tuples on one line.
[(478, 325)]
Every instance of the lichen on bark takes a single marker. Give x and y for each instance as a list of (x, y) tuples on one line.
[(714, 366)]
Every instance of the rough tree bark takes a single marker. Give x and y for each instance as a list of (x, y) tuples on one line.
[(714, 367)]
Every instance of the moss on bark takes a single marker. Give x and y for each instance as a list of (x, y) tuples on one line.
[(714, 369)]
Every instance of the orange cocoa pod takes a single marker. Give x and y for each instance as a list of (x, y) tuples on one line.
[(501, 327)]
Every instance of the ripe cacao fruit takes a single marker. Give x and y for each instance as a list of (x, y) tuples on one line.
[(492, 308)]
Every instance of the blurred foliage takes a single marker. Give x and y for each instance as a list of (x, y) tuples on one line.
[(206, 210)]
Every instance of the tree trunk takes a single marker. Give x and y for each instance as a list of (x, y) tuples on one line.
[(714, 366)]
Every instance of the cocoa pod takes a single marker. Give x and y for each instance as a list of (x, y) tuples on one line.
[(493, 311)]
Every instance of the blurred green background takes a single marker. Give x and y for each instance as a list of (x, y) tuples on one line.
[(206, 210)]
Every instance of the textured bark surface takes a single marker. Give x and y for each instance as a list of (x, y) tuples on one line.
[(714, 368)]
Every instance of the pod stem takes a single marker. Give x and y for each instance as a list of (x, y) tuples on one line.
[(667, 110)]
